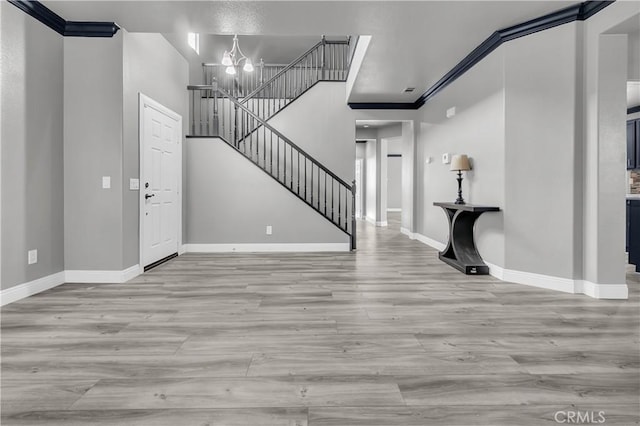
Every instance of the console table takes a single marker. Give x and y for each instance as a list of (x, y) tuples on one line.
[(461, 252)]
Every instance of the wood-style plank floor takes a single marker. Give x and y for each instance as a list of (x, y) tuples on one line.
[(386, 336)]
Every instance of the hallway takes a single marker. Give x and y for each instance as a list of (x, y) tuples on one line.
[(386, 336)]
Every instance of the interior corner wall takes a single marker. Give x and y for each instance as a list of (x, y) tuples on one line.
[(371, 185), (93, 149), (603, 124), (477, 130), (321, 123), (541, 214), (32, 146), (633, 64), (153, 67), (231, 201), (361, 154), (409, 148), (381, 181)]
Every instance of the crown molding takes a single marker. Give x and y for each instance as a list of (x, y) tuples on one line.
[(63, 27), (578, 12), (90, 29), (382, 105)]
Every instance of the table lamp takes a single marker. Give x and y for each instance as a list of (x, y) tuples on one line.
[(460, 163)]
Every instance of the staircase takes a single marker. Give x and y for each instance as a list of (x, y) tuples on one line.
[(237, 110)]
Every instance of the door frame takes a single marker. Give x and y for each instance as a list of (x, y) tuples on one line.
[(360, 187), (147, 102)]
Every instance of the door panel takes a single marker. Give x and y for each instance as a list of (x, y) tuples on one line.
[(159, 189)]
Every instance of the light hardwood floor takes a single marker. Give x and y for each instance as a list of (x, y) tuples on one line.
[(386, 336)]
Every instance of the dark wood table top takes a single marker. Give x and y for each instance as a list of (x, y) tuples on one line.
[(467, 207)]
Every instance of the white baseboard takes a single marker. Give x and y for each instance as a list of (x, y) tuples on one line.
[(20, 291), (182, 249), (605, 291), (423, 239), (430, 242), (565, 285), (496, 271), (15, 293), (408, 233), (257, 248), (98, 277), (376, 223), (393, 209)]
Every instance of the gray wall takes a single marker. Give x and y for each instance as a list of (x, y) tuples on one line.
[(371, 186), (540, 189), (231, 201), (92, 149), (604, 135), (32, 173), (101, 139), (409, 175), (153, 67), (633, 48), (361, 154), (477, 130), (394, 174), (321, 123), (394, 183)]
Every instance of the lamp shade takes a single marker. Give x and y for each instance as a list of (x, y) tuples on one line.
[(226, 59), (460, 163), (248, 66)]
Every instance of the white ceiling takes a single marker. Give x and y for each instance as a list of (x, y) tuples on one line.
[(414, 43), (273, 49)]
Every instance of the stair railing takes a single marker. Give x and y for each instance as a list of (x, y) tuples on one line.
[(241, 83), (215, 112), (326, 61)]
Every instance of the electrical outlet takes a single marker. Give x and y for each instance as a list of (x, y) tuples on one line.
[(32, 257), (269, 230)]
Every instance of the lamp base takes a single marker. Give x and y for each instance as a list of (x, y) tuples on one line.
[(459, 200)]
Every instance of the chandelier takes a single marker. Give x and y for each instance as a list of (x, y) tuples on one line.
[(231, 59)]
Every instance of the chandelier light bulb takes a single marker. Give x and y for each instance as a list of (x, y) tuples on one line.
[(226, 59), (248, 66), (230, 70)]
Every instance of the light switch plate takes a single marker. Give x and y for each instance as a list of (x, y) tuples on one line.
[(32, 257), (269, 230), (134, 184), (446, 158), (106, 182)]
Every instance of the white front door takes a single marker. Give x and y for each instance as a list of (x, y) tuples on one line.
[(161, 132)]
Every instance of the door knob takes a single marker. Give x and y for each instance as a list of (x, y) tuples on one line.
[(147, 196)]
